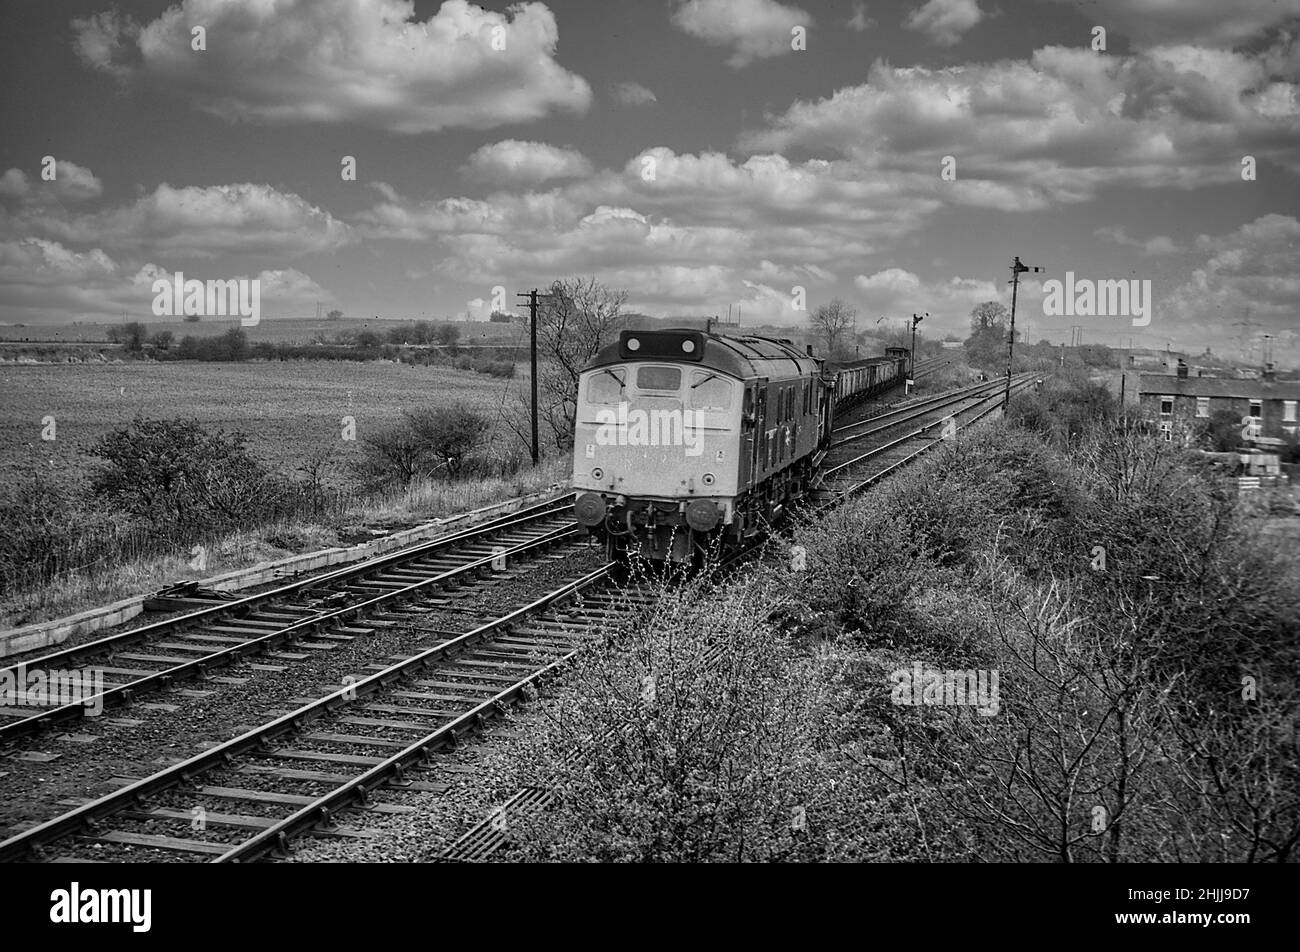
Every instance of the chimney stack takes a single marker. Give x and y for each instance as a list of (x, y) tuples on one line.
[(1269, 374)]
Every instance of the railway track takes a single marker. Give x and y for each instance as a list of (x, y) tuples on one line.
[(965, 406), (869, 426), (248, 797), (929, 365), (944, 417), (309, 615)]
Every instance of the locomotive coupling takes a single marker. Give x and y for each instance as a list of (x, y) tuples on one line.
[(589, 509)]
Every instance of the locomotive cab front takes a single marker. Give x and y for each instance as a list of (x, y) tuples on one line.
[(656, 441)]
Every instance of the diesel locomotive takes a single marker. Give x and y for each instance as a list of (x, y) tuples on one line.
[(685, 440)]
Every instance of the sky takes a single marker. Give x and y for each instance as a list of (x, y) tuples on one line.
[(702, 154)]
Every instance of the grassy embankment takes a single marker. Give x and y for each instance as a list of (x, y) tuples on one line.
[(292, 414)]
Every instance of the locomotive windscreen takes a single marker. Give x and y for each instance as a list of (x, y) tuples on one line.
[(677, 345)]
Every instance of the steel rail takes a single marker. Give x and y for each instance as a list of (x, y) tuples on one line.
[(322, 809), (916, 405), (74, 821), (77, 654), (926, 447), (197, 667), (949, 400)]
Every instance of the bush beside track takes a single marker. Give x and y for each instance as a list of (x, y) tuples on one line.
[(1147, 709)]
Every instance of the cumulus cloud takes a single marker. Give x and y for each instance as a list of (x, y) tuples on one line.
[(632, 94), (712, 188), (1155, 245), (1057, 128), (71, 183), (688, 233), (1253, 270), (512, 162), (287, 291), (860, 22), (197, 221), (37, 261), (944, 21), (681, 240), (896, 292), (753, 29), (1200, 22), (794, 273), (697, 211), (365, 62), (42, 280)]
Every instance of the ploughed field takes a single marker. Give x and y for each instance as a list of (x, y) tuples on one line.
[(289, 410)]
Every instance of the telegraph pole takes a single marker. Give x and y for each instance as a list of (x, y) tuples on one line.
[(1017, 269)]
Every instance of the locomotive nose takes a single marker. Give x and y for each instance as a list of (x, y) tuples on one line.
[(589, 509)]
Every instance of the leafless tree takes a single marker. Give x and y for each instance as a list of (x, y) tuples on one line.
[(575, 320), (988, 315), (831, 323)]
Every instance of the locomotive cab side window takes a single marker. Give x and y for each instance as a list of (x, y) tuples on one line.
[(606, 387), (710, 392), (668, 379)]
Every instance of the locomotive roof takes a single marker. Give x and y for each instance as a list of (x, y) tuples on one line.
[(742, 357)]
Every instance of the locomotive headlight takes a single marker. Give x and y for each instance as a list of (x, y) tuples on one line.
[(709, 479), (633, 344), (597, 473), (688, 346)]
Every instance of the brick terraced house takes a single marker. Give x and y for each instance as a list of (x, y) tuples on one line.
[(1181, 402)]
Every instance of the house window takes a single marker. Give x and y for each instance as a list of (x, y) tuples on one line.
[(1256, 408), (1288, 411), (1167, 431), (1202, 406), (1166, 406)]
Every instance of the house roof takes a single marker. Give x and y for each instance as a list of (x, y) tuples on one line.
[(1243, 389)]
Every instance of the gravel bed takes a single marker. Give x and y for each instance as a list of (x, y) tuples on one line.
[(478, 780)]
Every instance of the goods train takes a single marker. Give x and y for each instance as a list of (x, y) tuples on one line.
[(686, 440)]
